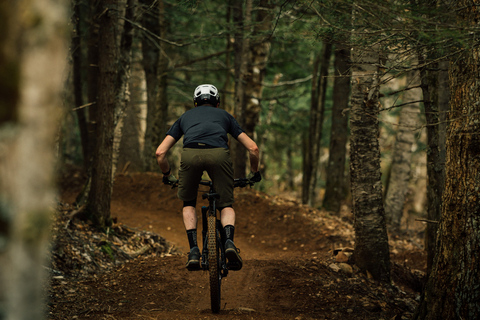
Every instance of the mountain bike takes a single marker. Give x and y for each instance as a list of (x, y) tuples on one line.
[(213, 239), (213, 236)]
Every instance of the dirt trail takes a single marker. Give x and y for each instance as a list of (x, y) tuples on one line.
[(287, 273)]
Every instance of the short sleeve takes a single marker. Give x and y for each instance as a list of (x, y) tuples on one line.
[(175, 130), (235, 129)]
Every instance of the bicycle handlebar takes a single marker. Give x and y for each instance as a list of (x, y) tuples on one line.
[(237, 183), (242, 182)]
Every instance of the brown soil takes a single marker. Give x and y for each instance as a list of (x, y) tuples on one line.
[(288, 251)]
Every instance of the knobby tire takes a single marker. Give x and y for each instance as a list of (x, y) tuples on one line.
[(213, 263)]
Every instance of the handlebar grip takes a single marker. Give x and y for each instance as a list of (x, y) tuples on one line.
[(242, 182)]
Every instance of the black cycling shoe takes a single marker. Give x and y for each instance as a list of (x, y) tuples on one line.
[(234, 261), (193, 262)]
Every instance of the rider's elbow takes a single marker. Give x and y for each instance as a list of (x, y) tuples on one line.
[(160, 154), (253, 149)]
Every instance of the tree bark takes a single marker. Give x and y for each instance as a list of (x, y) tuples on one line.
[(371, 252), (402, 152), (336, 179), (452, 288), (99, 196), (32, 63)]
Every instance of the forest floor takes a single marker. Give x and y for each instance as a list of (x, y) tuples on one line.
[(295, 262)]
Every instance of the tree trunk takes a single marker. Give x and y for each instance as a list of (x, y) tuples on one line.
[(402, 152), (371, 252), (130, 155), (452, 289), (78, 20), (314, 139), (123, 78), (435, 158), (160, 127), (227, 100), (336, 180), (259, 52), (98, 203), (240, 47), (92, 77), (151, 59), (32, 63)]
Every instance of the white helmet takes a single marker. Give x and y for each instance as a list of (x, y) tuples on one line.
[(206, 94)]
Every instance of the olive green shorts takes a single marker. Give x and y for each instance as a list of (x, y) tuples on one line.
[(217, 163)]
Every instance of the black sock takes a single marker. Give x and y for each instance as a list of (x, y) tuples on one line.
[(229, 231), (192, 238)]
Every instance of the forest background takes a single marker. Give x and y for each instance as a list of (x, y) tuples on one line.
[(354, 104)]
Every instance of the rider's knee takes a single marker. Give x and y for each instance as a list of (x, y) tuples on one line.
[(190, 203), (221, 208)]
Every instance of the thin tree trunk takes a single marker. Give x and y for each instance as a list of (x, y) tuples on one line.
[(452, 289), (241, 21), (160, 127), (151, 56), (130, 155), (94, 10), (402, 153), (99, 196), (336, 179), (435, 161), (227, 100), (319, 88), (78, 19), (92, 77), (32, 64), (307, 149), (123, 77), (259, 52), (371, 252)]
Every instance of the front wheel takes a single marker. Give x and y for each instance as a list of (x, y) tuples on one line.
[(213, 263)]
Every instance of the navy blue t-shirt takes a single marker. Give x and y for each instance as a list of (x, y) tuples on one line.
[(206, 125)]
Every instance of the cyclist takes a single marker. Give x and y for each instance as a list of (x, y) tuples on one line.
[(205, 148)]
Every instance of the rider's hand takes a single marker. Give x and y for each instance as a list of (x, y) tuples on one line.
[(170, 179), (254, 176)]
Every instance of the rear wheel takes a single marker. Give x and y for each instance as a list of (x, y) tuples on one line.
[(213, 263)]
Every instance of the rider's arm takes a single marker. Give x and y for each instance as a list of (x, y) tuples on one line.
[(161, 153), (253, 152)]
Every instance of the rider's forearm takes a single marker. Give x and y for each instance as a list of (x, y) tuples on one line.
[(254, 156), (164, 165), (161, 153), (162, 160), (253, 152)]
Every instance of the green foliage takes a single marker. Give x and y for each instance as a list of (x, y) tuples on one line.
[(107, 249), (198, 48)]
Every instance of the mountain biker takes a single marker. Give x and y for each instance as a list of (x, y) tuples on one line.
[(205, 148)]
